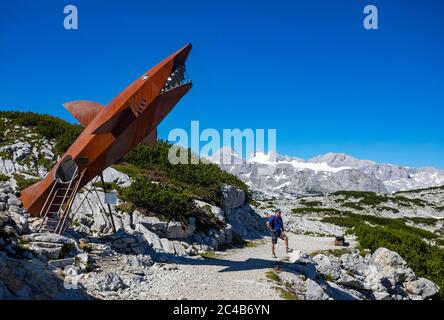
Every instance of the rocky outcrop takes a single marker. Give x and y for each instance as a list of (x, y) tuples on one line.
[(422, 288), (32, 279), (236, 217), (111, 175), (231, 198), (24, 269), (391, 265), (25, 152), (244, 221), (383, 275), (328, 265)]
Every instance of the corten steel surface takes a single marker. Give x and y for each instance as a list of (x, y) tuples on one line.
[(112, 131)]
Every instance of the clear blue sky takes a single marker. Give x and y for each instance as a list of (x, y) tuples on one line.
[(307, 68)]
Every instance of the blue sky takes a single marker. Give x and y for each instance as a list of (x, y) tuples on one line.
[(307, 68)]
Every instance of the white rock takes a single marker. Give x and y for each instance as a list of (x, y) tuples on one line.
[(111, 175), (81, 260), (46, 250), (47, 237), (377, 281), (109, 281), (382, 295), (298, 257), (14, 201), (137, 263), (421, 287), (179, 249), (351, 282), (328, 265), (214, 210), (61, 263), (152, 223), (7, 166), (314, 291), (231, 197), (353, 263), (152, 238), (392, 265), (168, 246), (3, 197), (177, 230)]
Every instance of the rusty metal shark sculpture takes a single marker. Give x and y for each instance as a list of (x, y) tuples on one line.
[(110, 133)]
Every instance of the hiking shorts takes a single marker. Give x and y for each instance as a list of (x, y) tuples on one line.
[(276, 235)]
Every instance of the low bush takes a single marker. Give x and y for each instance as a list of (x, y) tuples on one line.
[(425, 259), (351, 220), (423, 220), (202, 181), (408, 201), (421, 190), (394, 210), (165, 202), (158, 198), (23, 183), (310, 203), (52, 128), (303, 210), (353, 205)]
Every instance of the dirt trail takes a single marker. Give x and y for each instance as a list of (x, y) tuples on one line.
[(234, 274)]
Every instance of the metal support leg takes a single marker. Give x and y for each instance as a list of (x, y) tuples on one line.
[(109, 207)]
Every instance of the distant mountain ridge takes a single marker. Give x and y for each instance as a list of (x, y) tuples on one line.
[(282, 175)]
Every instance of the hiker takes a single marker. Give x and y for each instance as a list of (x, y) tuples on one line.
[(276, 226)]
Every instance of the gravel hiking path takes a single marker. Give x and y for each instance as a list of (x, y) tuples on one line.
[(232, 274)]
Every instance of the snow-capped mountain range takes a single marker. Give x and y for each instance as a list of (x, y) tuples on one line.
[(288, 176)]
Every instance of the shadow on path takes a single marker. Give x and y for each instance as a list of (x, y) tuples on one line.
[(307, 269)]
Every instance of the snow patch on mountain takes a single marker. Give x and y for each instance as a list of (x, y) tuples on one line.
[(264, 158), (281, 175)]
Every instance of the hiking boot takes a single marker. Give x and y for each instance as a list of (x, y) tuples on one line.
[(274, 256), (289, 250)]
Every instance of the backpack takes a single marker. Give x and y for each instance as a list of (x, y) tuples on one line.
[(272, 222)]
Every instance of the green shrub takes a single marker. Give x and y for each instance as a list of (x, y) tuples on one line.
[(394, 210), (425, 259), (420, 190), (353, 205), (273, 276), (408, 201), (310, 203), (52, 128), (315, 210), (351, 220), (367, 197), (3, 177), (23, 183), (202, 181), (373, 200), (424, 220), (159, 199)]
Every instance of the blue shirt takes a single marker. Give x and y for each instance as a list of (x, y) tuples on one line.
[(276, 223)]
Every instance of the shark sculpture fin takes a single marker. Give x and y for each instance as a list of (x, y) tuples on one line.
[(84, 111)]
